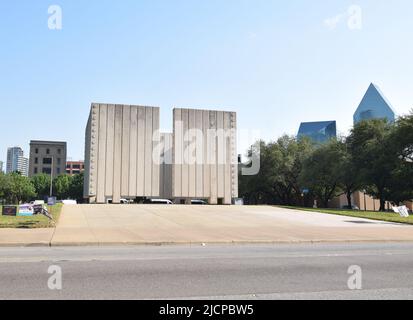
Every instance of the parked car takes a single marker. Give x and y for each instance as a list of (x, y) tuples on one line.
[(122, 201), (199, 202), (158, 201), (69, 202)]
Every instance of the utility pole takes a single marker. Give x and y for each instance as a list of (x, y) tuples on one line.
[(51, 180)]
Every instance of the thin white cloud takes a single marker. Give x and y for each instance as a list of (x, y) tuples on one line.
[(332, 22)]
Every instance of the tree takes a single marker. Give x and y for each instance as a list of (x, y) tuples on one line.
[(18, 188), (3, 185), (401, 185), (288, 155), (41, 183), (403, 137), (321, 171), (373, 154), (256, 189), (280, 166), (349, 181), (61, 186), (76, 187)]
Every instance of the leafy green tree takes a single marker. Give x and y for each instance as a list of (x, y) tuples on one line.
[(3, 185), (373, 154), (288, 156), (256, 189), (321, 171), (61, 186), (401, 185), (76, 187), (41, 183), (403, 137), (280, 166), (349, 181), (18, 188)]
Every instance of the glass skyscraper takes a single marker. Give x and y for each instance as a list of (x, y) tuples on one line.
[(374, 106), (319, 132), (16, 161)]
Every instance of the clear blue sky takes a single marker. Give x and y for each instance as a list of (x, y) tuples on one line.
[(276, 63)]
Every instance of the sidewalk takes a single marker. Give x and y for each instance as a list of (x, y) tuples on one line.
[(26, 237), (101, 225)]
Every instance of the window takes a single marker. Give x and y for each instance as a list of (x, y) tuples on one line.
[(47, 170), (59, 151), (58, 161), (47, 160), (47, 151), (58, 170), (36, 160), (36, 151), (35, 170), (76, 166)]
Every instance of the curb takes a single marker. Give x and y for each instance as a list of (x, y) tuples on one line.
[(192, 244), (25, 245)]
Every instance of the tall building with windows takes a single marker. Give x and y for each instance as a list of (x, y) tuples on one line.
[(319, 132), (16, 162), (374, 106), (47, 157), (1, 166), (75, 167)]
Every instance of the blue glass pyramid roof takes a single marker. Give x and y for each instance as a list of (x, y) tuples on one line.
[(320, 132), (374, 106)]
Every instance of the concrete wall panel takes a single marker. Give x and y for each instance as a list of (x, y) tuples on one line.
[(125, 150), (191, 154), (212, 175), (206, 168), (155, 154), (118, 153), (199, 154), (117, 162), (133, 150), (110, 145), (148, 151), (185, 155), (101, 160), (177, 154), (140, 188)]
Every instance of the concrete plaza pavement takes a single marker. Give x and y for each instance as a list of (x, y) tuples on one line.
[(176, 224), (100, 225)]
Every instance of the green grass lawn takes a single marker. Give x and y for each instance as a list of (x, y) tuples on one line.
[(38, 221), (382, 216)]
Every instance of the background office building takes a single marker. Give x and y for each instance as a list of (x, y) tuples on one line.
[(1, 167), (374, 106), (74, 167), (319, 132), (119, 153), (48, 157), (16, 162)]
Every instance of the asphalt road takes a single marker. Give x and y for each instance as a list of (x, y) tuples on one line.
[(318, 271)]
